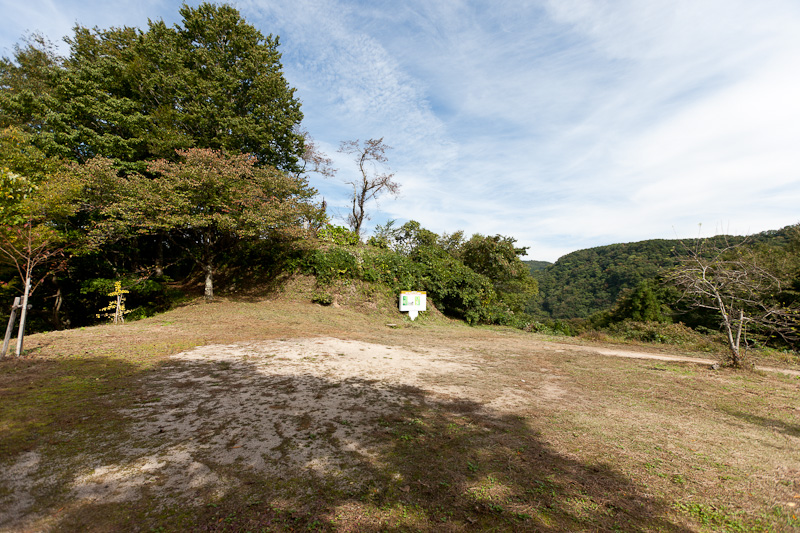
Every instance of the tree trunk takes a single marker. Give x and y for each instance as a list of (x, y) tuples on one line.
[(733, 341), (160, 257), (209, 292), (737, 356), (57, 302), (23, 313)]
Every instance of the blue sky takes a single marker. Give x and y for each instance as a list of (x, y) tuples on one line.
[(566, 123)]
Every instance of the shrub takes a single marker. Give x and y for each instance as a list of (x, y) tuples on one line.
[(658, 333), (322, 298), (338, 235)]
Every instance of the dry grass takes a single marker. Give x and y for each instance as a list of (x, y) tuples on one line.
[(429, 426)]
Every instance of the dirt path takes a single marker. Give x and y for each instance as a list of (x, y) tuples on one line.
[(663, 357)]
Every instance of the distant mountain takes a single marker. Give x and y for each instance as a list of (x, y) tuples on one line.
[(534, 266), (587, 281)]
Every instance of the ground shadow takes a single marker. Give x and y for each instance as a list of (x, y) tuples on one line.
[(416, 462), (792, 430)]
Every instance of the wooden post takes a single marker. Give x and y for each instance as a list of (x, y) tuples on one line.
[(11, 320)]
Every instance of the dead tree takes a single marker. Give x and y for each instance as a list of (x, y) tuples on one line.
[(731, 281), (371, 183)]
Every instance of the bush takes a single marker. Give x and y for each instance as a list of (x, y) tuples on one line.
[(676, 334), (338, 235), (454, 288), (329, 265), (322, 298)]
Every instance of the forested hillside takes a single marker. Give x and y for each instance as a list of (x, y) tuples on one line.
[(537, 265), (582, 283)]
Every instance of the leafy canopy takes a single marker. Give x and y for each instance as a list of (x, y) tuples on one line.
[(212, 81)]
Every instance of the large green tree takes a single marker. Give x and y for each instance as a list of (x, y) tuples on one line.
[(211, 81), (207, 203), (498, 259)]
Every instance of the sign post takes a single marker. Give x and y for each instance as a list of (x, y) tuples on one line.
[(413, 302)]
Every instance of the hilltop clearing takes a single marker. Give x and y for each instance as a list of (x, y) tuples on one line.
[(276, 414)]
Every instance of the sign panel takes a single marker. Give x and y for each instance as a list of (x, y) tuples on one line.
[(413, 302)]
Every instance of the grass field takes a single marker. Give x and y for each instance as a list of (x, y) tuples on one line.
[(277, 414)]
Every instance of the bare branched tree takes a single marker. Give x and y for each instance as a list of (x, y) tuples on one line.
[(313, 159), (731, 281), (27, 247), (372, 183)]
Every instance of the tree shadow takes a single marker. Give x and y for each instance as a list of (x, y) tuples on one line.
[(792, 430), (51, 412), (233, 446)]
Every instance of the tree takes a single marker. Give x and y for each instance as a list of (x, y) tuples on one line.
[(732, 281), (24, 83), (212, 81), (404, 239), (498, 259), (30, 239), (371, 183), (644, 303), (207, 203)]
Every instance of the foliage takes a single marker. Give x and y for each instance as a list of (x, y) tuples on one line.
[(404, 239), (535, 266), (649, 301), (496, 258), (31, 239), (121, 102), (212, 81), (338, 235), (589, 281), (676, 334), (413, 258), (456, 289), (206, 204), (19, 154), (32, 216), (115, 310), (14, 190), (558, 327), (322, 298)]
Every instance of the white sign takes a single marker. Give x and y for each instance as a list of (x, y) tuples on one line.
[(413, 302)]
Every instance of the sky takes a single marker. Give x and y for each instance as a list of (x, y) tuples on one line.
[(566, 124)]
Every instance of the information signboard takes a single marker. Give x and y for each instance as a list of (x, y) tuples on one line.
[(413, 302)]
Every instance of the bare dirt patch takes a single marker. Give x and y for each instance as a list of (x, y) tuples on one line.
[(297, 404)]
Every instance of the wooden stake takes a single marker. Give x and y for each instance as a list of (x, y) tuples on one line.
[(11, 320)]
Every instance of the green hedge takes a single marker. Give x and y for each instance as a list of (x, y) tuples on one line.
[(454, 288)]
